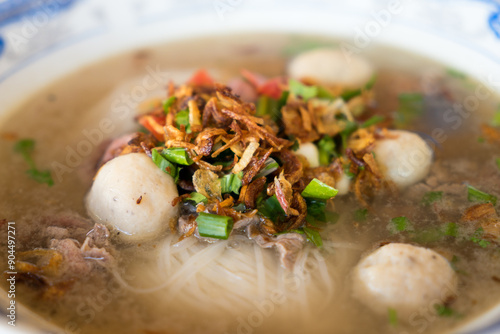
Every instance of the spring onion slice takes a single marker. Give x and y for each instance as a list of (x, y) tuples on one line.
[(269, 166), (476, 195), (313, 236), (182, 118), (393, 317), (361, 215), (168, 103), (451, 229), (165, 165), (372, 121), (231, 183), (197, 198), (326, 148), (496, 118), (271, 208), (214, 226), (25, 147), (497, 161), (177, 155), (299, 89), (319, 190)]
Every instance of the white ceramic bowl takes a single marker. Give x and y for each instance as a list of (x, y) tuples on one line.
[(55, 39)]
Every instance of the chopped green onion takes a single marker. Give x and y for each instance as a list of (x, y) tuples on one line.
[(326, 148), (168, 103), (451, 229), (445, 311), (325, 94), (496, 118), (372, 121), (411, 107), (270, 166), (197, 198), (182, 118), (268, 106), (316, 210), (456, 74), (400, 224), (428, 235), (214, 226), (477, 238), (349, 128), (177, 155), (346, 96), (313, 236), (295, 146), (231, 183), (165, 165), (25, 147), (240, 207), (299, 89), (431, 197), (393, 317), (348, 173), (481, 140), (319, 190), (271, 208), (360, 215), (476, 195), (497, 161), (332, 217)]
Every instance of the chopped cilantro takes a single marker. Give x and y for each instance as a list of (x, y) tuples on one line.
[(496, 118), (445, 311), (497, 161), (400, 224), (182, 118), (326, 148), (431, 197), (372, 121), (451, 229), (360, 215), (168, 103), (411, 107), (393, 317), (26, 147), (477, 238)]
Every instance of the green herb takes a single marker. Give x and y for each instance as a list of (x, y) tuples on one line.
[(197, 198), (267, 106), (177, 155), (347, 95), (496, 118), (497, 161), (214, 226), (324, 94), (476, 195), (477, 238), (349, 128), (313, 236), (445, 311), (318, 190), (270, 166), (360, 215), (428, 235), (480, 140), (393, 317), (231, 183), (295, 146), (456, 74), (240, 207), (271, 208), (299, 89), (299, 45), (451, 229), (372, 121), (431, 197), (165, 165), (26, 147), (411, 107), (168, 103), (316, 210), (326, 148), (348, 173), (400, 224), (182, 118)]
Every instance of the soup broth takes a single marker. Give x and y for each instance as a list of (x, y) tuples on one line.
[(233, 286)]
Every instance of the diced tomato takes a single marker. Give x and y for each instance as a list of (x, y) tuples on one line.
[(153, 124), (271, 88), (201, 77)]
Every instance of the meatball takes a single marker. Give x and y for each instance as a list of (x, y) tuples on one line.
[(131, 194), (331, 67), (405, 278), (405, 159)]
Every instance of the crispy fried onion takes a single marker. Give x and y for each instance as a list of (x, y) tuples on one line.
[(252, 146), (486, 216), (284, 193), (207, 183)]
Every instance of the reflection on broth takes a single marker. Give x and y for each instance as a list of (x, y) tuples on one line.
[(333, 197)]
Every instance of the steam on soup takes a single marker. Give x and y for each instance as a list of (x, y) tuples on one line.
[(266, 192)]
